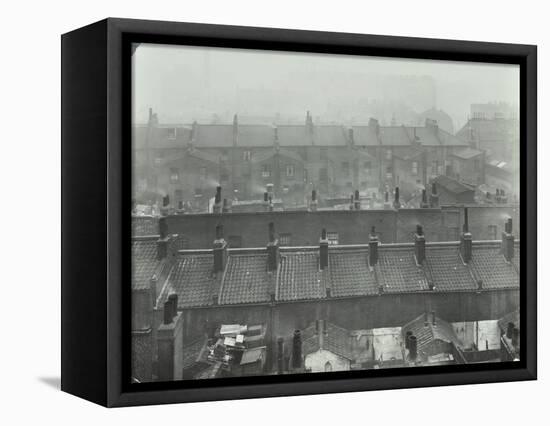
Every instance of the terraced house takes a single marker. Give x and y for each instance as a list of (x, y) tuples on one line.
[(187, 162), (361, 286)]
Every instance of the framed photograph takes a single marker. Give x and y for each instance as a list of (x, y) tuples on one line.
[(255, 212)]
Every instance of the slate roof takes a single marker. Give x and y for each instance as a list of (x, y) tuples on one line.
[(397, 271), (255, 135), (452, 185), (350, 274), (192, 280), (427, 334), (448, 270), (365, 135), (246, 280), (329, 135), (144, 261), (298, 277), (336, 340), (493, 269), (293, 135), (467, 153), (213, 135)]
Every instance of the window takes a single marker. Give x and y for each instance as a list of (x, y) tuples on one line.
[(235, 241), (174, 175), (345, 169), (414, 168), (266, 171), (285, 239), (203, 174), (247, 155), (290, 170), (493, 232), (368, 167), (171, 133), (332, 238), (388, 154)]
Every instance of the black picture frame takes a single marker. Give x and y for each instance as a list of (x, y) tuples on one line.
[(96, 229)]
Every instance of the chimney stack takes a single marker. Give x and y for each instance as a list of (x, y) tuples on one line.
[(408, 335), (226, 208), (396, 203), (373, 248), (413, 353), (280, 355), (434, 196), (466, 239), (272, 249), (424, 204), (433, 319), (320, 326), (220, 250), (356, 201), (218, 200), (510, 329), (508, 241), (169, 338), (352, 202), (323, 250), (313, 204), (168, 313), (297, 350), (164, 239), (165, 209), (420, 245), (387, 204)]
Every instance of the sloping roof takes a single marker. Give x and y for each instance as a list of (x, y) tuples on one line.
[(467, 153), (300, 277), (350, 274), (144, 261), (394, 136), (398, 273), (192, 280), (492, 267), (253, 355), (489, 130), (448, 270), (427, 334), (335, 339), (452, 185), (407, 153), (293, 135), (255, 135), (365, 135), (213, 135), (329, 135), (246, 280)]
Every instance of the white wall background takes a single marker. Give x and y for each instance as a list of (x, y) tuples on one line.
[(30, 209)]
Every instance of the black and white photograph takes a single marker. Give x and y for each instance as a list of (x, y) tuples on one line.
[(302, 213)]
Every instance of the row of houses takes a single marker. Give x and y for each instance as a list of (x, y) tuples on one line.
[(188, 162), (363, 286)]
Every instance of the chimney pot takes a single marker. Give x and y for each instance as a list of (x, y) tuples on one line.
[(280, 355), (272, 249), (168, 317), (373, 248), (424, 204), (413, 348), (357, 202), (510, 329), (297, 350), (466, 240), (323, 250), (396, 203), (508, 241), (433, 318), (420, 245), (219, 250)]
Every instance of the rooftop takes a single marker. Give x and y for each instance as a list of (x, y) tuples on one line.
[(246, 279)]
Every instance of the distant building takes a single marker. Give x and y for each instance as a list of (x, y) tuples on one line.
[(188, 162), (453, 192)]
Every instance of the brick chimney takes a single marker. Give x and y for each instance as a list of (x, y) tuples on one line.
[(165, 209), (297, 350), (408, 334), (352, 202), (424, 203), (373, 248), (170, 343), (323, 250), (420, 245), (219, 250), (280, 355), (164, 239), (413, 353), (434, 196), (226, 207), (387, 204), (396, 203), (356, 201), (320, 328), (218, 200), (466, 240), (272, 249), (508, 241), (266, 201), (314, 202), (351, 139)]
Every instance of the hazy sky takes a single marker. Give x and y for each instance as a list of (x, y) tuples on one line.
[(183, 83)]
